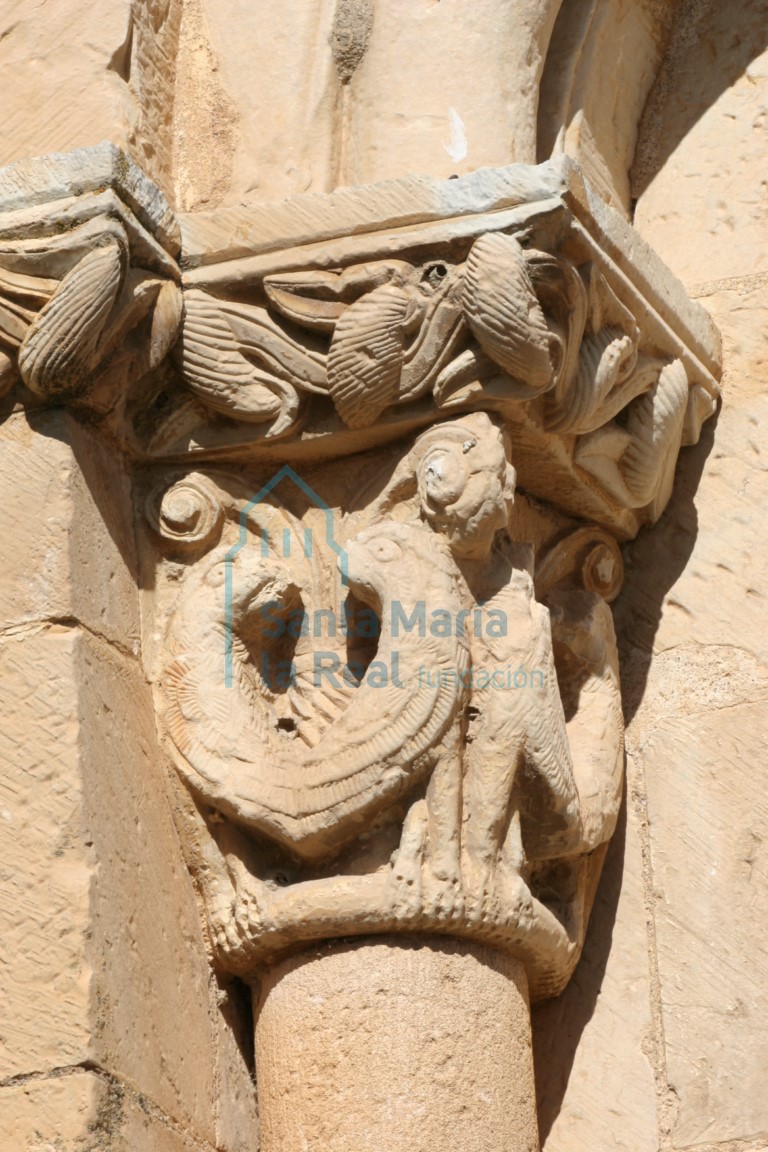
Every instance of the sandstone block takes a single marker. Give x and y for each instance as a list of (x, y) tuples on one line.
[(64, 76), (48, 864), (102, 959), (594, 1081), (59, 1112), (699, 172), (709, 826), (70, 522)]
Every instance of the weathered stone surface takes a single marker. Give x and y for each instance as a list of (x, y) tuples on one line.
[(65, 563), (388, 1044), (699, 738), (709, 582), (594, 1081), (152, 1024), (239, 140), (700, 170), (80, 1111), (709, 826), (48, 868), (590, 42), (139, 1128), (91, 837), (432, 94), (154, 79), (64, 76), (739, 307), (57, 1112), (60, 175), (383, 90), (695, 667), (695, 672)]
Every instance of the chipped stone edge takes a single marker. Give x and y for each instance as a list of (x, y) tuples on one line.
[(43, 179), (229, 234)]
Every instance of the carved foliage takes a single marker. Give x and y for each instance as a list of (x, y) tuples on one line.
[(518, 318), (73, 309), (507, 326)]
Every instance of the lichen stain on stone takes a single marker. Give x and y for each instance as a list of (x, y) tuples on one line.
[(352, 25)]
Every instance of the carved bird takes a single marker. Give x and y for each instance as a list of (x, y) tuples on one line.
[(313, 799), (394, 328)]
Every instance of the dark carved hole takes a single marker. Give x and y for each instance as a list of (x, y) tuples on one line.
[(363, 632), (237, 1010), (435, 273), (471, 714)]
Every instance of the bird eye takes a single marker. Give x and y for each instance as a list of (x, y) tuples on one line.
[(387, 550), (434, 274)]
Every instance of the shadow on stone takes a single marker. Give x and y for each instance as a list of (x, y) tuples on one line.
[(710, 48), (653, 564), (557, 1025)]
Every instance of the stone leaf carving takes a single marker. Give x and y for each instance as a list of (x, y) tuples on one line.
[(344, 321), (503, 314), (635, 459), (64, 346), (89, 294), (238, 361), (395, 332), (499, 799)]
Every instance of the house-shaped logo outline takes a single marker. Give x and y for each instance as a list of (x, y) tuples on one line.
[(285, 473)]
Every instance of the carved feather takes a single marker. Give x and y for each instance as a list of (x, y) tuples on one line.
[(366, 356), (61, 348), (655, 424), (35, 290), (379, 746), (15, 322), (215, 368), (635, 462), (504, 312)]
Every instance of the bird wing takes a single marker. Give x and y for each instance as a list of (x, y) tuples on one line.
[(504, 312), (366, 355), (60, 349)]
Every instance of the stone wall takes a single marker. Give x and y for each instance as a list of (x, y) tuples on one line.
[(114, 1034), (664, 1039)]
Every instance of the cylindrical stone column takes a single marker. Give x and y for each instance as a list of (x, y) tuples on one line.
[(394, 1045)]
